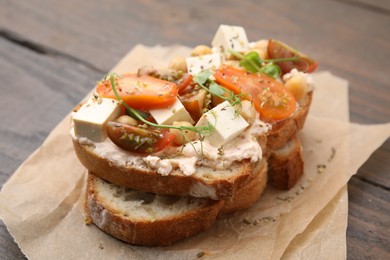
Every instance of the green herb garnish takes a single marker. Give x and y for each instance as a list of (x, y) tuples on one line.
[(253, 63), (271, 70), (201, 130), (202, 79), (250, 61), (141, 113)]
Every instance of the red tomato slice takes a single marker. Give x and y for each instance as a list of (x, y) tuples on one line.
[(165, 141), (270, 98), (141, 92), (194, 102), (277, 50), (184, 82)]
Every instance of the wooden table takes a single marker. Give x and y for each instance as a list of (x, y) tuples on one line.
[(52, 52)]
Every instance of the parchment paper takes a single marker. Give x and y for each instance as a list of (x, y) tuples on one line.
[(41, 204)]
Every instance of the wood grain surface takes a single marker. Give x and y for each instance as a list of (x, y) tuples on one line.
[(52, 52)]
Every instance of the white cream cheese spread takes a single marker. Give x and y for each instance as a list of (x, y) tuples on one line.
[(188, 157)]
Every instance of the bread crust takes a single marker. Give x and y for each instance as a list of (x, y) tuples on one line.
[(248, 194), (284, 130), (286, 165), (176, 183), (159, 232)]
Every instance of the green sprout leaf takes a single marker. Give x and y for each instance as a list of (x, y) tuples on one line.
[(202, 77), (216, 89), (141, 113), (213, 87), (271, 70), (282, 59), (251, 62)]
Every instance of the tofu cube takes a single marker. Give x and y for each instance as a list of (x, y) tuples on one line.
[(203, 62), (91, 119), (230, 37), (227, 124), (166, 116)]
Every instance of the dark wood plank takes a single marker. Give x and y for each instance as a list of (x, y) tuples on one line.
[(378, 163), (368, 221), (9, 250), (349, 40), (322, 29), (378, 6), (38, 91)]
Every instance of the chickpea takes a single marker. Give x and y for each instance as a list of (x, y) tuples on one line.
[(201, 50), (178, 63), (262, 48), (261, 44), (262, 54), (247, 111), (182, 137), (297, 86), (128, 120)]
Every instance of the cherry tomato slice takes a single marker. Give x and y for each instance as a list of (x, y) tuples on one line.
[(277, 50), (165, 141), (194, 102), (140, 92), (184, 82), (139, 139), (270, 98)]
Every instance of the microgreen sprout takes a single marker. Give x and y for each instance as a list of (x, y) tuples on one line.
[(188, 141), (203, 78), (253, 63), (201, 130)]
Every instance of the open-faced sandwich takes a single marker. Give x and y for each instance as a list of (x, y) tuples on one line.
[(170, 149)]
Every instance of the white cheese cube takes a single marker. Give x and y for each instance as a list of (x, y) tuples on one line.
[(227, 124), (230, 37), (91, 119), (203, 62), (166, 116)]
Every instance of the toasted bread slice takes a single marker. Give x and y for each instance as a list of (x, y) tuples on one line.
[(248, 194), (205, 183), (284, 130), (286, 165), (148, 219)]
